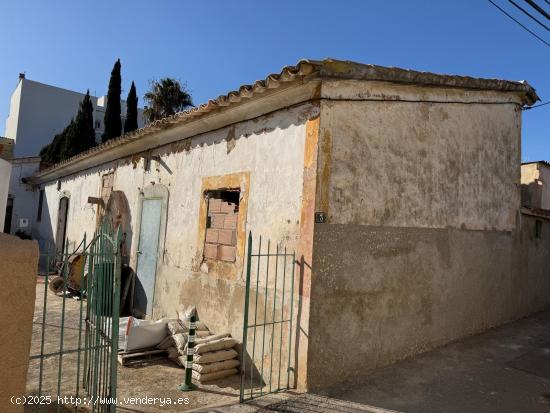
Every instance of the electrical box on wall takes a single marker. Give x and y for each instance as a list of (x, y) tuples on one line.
[(23, 222)]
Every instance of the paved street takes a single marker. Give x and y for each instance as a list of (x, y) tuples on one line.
[(503, 370)]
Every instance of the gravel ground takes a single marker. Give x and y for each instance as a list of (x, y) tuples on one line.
[(156, 378)]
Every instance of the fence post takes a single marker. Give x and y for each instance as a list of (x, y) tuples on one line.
[(187, 385), (245, 321)]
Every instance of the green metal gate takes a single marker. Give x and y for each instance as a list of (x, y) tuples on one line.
[(73, 363), (267, 327)]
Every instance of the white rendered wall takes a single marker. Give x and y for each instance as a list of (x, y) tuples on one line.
[(38, 112)]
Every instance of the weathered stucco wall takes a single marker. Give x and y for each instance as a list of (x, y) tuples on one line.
[(420, 245), (535, 258), (18, 277), (269, 149)]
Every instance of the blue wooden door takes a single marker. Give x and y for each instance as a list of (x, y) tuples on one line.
[(148, 251)]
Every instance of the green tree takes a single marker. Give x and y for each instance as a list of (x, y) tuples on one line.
[(78, 135), (84, 137), (51, 153), (166, 97), (131, 122), (113, 124)]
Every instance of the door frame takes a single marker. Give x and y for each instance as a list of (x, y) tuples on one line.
[(8, 219), (151, 192)]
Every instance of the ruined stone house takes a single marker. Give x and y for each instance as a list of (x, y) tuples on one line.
[(398, 190)]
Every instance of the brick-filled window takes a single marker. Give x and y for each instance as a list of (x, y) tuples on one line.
[(221, 225)]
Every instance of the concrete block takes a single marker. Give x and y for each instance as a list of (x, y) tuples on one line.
[(230, 221), (211, 251), (227, 253), (227, 237), (212, 235), (214, 205), (217, 221), (227, 207)]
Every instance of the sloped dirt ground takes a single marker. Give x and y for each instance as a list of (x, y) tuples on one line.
[(156, 378)]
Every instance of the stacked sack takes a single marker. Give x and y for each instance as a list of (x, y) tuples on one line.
[(214, 357), (176, 343)]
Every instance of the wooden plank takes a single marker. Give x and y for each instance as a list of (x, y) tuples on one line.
[(124, 357)]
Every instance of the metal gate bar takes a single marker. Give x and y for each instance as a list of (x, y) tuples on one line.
[(99, 320), (282, 260)]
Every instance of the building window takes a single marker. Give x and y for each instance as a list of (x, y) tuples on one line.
[(107, 181), (221, 224), (538, 228), (98, 124), (40, 203)]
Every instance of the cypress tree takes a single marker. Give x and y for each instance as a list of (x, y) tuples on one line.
[(51, 153), (113, 124), (84, 124), (131, 122), (69, 144), (77, 137)]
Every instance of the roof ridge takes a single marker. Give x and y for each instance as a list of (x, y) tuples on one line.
[(307, 68)]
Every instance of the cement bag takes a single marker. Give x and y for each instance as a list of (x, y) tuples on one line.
[(199, 335), (174, 355), (214, 367), (176, 327), (144, 333), (210, 338), (221, 344), (215, 356), (213, 376), (122, 327), (166, 343), (180, 341), (185, 314)]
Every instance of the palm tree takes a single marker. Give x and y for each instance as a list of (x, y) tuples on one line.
[(166, 97)]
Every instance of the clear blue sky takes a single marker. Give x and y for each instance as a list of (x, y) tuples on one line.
[(215, 46)]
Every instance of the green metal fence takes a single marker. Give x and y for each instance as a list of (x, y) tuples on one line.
[(73, 361), (268, 312)]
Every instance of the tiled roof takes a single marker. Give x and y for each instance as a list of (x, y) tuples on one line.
[(311, 69)]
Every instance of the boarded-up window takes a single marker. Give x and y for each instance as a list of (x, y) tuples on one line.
[(107, 181), (221, 225)]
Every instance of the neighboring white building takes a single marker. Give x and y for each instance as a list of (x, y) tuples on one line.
[(5, 172), (535, 184), (21, 215), (38, 112)]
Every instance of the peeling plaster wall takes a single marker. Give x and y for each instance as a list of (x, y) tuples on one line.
[(269, 148), (421, 243)]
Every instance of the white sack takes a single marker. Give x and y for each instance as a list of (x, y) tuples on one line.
[(140, 334)]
